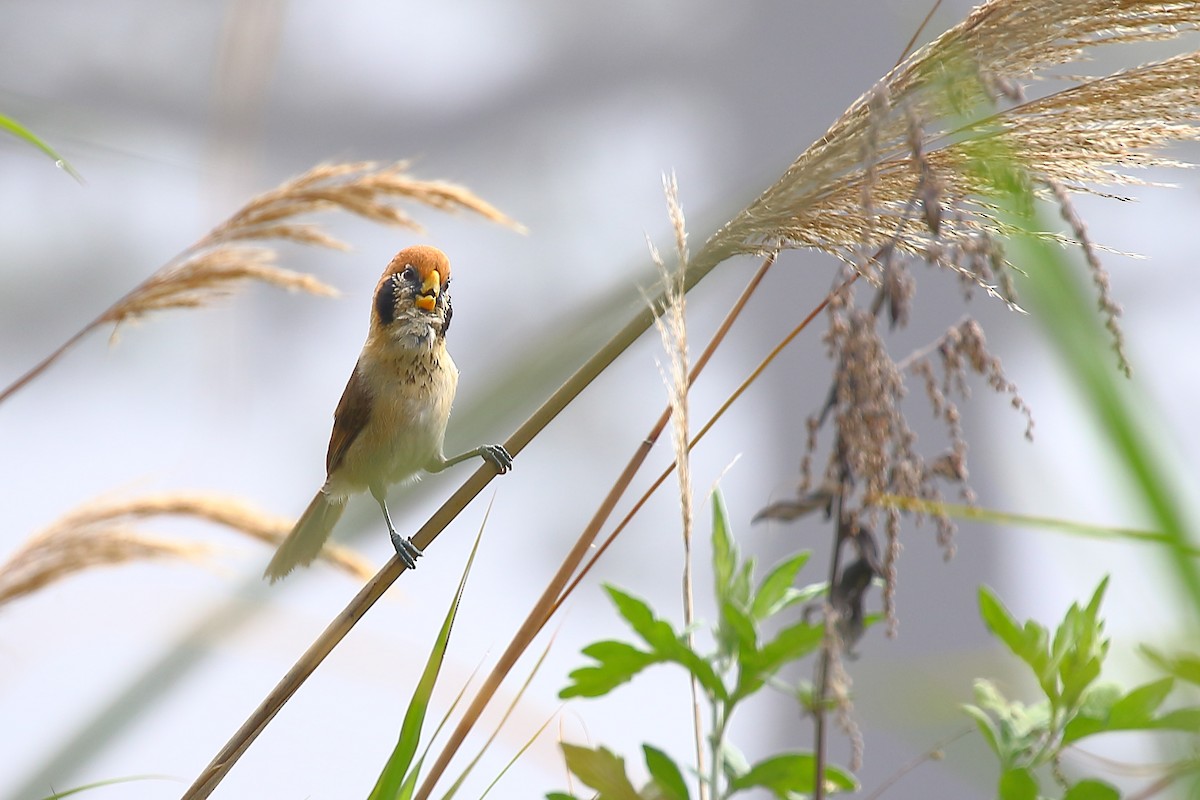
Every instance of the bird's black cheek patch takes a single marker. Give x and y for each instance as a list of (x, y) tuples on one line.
[(449, 314), (385, 302)]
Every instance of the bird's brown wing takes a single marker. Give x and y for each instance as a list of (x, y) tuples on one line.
[(350, 417)]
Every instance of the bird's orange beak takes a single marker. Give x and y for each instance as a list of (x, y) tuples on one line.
[(430, 290)]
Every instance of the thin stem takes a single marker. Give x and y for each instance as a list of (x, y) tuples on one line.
[(821, 684), (729, 401), (928, 755), (42, 365)]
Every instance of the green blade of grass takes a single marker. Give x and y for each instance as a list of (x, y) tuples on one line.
[(458, 782), (21, 132), (1067, 313), (1072, 527), (394, 781)]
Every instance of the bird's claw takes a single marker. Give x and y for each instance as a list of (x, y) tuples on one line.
[(406, 550), (498, 457)]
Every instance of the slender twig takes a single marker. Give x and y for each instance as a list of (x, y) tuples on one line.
[(41, 366), (729, 401), (913, 40), (931, 754)]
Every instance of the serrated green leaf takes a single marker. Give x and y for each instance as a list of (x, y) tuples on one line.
[(617, 663), (792, 643), (772, 593), (792, 773), (1091, 789), (600, 769), (665, 643), (1018, 784), (656, 632), (1028, 643), (1079, 649), (1139, 706), (668, 778)]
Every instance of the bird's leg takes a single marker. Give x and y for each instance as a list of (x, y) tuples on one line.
[(494, 454), (408, 552)]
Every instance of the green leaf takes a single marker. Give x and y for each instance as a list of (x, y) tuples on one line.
[(107, 782), (789, 645), (1091, 789), (1028, 643), (656, 632), (1186, 666), (739, 629), (1018, 784), (617, 663), (1094, 711), (602, 770), (792, 773), (21, 132), (987, 728), (392, 780), (1181, 719), (560, 796), (1079, 649), (772, 594), (665, 643), (724, 549), (739, 589), (668, 779), (1139, 706)]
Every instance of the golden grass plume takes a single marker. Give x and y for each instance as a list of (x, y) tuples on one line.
[(104, 534), (224, 259), (930, 131)]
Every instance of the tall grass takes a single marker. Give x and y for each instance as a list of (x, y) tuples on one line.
[(941, 162)]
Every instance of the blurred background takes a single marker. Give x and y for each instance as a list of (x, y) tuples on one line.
[(565, 116)]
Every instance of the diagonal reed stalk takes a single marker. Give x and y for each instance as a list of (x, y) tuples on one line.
[(928, 129), (699, 267)]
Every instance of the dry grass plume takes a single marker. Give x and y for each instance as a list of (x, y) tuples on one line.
[(104, 534), (224, 259)]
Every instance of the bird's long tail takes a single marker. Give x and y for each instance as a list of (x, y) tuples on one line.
[(305, 541)]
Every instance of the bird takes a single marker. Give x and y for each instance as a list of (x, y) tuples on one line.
[(391, 420)]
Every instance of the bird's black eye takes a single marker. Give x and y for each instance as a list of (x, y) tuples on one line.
[(409, 274), (385, 300)]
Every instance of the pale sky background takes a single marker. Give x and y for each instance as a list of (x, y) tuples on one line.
[(564, 116)]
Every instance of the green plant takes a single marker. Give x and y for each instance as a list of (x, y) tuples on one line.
[(1075, 704), (744, 662)]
